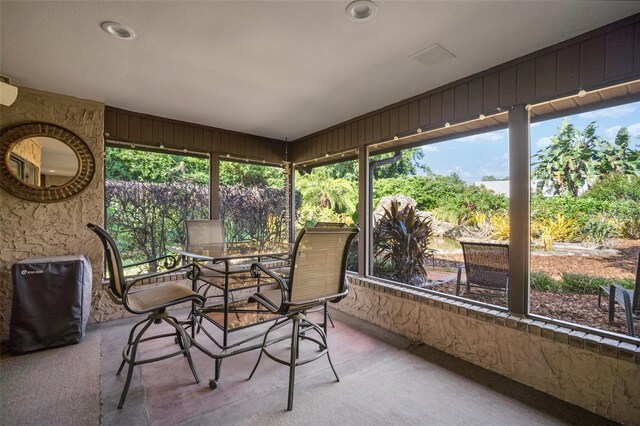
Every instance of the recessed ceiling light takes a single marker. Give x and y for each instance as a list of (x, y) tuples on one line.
[(118, 30), (361, 10), (52, 171)]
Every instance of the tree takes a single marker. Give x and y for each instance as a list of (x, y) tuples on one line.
[(565, 165), (408, 165), (143, 166), (234, 173), (617, 157), (576, 160), (317, 187)]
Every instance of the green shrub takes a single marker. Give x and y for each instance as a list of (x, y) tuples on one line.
[(616, 187), (622, 215), (586, 284), (630, 228), (575, 283), (581, 284), (598, 229), (543, 282), (429, 191), (448, 197)]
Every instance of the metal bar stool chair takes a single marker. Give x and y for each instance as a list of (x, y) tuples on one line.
[(153, 301), (317, 276)]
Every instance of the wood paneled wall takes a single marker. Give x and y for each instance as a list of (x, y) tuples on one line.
[(606, 56), (151, 132)]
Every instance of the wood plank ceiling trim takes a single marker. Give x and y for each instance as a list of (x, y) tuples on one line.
[(149, 132), (607, 56)]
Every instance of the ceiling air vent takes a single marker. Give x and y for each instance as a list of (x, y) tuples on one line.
[(432, 55)]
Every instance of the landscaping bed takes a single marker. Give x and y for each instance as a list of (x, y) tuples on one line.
[(567, 306)]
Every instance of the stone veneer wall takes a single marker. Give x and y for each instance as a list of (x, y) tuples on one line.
[(30, 229), (599, 374)]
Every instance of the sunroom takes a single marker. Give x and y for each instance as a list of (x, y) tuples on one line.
[(431, 128)]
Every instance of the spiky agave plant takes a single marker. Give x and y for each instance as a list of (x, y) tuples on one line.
[(402, 237)]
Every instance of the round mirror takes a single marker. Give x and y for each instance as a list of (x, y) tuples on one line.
[(44, 162)]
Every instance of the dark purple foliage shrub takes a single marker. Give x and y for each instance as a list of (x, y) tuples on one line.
[(253, 213), (148, 218)]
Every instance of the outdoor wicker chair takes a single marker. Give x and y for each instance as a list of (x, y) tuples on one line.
[(629, 300), (153, 301), (486, 266), (318, 268)]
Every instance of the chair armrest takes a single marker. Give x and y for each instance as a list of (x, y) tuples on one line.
[(317, 301), (257, 268), (190, 267), (621, 295)]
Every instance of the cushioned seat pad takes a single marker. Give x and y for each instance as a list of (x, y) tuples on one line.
[(150, 299)]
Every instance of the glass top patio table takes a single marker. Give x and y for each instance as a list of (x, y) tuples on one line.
[(233, 251), (230, 314)]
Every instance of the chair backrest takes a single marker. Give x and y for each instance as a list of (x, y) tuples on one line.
[(635, 303), (114, 262), (318, 263), (203, 232), (486, 264), (330, 225)]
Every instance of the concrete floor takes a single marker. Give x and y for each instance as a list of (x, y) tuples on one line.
[(385, 380)]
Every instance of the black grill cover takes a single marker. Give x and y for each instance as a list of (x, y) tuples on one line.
[(51, 302)]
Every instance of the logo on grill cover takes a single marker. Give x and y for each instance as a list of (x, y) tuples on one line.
[(25, 272)]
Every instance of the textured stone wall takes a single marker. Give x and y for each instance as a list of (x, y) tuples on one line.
[(29, 229), (601, 380)]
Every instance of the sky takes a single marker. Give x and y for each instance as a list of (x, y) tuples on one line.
[(473, 157)]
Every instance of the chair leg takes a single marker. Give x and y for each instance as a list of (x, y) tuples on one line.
[(630, 327), (331, 364), (131, 334), (264, 344), (179, 340), (327, 317), (292, 361), (599, 297), (132, 361), (330, 320), (323, 336), (184, 345)]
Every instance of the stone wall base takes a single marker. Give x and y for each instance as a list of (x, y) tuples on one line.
[(598, 374)]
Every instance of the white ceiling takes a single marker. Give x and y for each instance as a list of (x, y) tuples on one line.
[(276, 69)]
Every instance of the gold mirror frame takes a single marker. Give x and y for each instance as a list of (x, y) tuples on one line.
[(11, 136)]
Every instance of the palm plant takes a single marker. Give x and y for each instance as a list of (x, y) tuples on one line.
[(338, 194), (402, 238)]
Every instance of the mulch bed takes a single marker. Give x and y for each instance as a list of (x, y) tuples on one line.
[(577, 308)]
